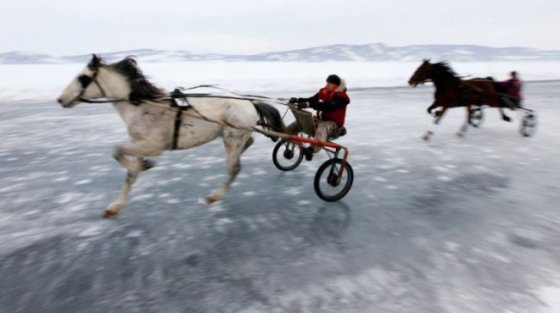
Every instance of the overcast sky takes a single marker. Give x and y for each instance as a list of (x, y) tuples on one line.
[(63, 27)]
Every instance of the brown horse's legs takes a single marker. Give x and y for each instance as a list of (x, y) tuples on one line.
[(440, 115), (428, 135), (432, 107), (465, 126), (504, 116)]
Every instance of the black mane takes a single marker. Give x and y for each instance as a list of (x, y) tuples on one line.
[(141, 88), (444, 71)]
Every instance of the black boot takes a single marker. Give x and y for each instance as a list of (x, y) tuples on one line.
[(308, 153)]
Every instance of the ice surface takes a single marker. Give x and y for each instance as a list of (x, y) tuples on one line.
[(455, 225)]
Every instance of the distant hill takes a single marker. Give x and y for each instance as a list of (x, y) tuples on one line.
[(356, 53)]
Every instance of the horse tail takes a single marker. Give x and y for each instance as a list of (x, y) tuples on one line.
[(269, 117)]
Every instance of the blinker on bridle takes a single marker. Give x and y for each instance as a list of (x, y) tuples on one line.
[(85, 82)]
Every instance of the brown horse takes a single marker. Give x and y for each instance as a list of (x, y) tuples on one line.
[(452, 91)]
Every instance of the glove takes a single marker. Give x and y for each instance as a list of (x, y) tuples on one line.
[(302, 105), (293, 100)]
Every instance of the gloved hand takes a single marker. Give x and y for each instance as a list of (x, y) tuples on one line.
[(302, 105), (293, 100)]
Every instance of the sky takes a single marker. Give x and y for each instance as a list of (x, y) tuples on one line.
[(68, 27)]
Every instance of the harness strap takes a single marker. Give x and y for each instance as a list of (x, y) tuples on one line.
[(177, 130), (178, 119)]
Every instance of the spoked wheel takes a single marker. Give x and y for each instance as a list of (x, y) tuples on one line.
[(477, 117), (286, 155), (329, 186), (528, 125)]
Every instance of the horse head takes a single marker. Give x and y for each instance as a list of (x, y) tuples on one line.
[(422, 74), (86, 85), (120, 81)]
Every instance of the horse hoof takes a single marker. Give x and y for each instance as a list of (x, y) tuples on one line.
[(460, 135), (426, 138), (215, 197), (210, 200), (113, 209), (507, 119), (147, 164), (110, 214)]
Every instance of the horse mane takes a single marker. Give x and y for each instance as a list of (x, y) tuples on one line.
[(141, 88), (445, 71)]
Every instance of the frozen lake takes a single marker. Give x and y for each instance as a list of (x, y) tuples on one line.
[(455, 225), (45, 81)]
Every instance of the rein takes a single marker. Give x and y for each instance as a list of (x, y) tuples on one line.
[(178, 94), (183, 110)]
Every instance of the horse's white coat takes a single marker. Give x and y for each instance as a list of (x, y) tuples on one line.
[(151, 126)]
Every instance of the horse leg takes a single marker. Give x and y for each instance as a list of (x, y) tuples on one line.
[(428, 135), (134, 167), (235, 143), (137, 150), (249, 143), (114, 208), (465, 126), (504, 116), (431, 107)]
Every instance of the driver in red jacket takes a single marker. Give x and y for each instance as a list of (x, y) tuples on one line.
[(330, 103)]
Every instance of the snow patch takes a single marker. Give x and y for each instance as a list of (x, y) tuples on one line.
[(292, 191), (67, 197), (134, 234), (550, 296), (380, 179), (90, 231), (444, 178), (173, 201)]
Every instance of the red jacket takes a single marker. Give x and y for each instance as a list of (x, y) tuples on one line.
[(330, 106), (514, 88)]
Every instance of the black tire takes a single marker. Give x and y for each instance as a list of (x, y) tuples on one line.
[(330, 167), (477, 117), (286, 151), (528, 125)]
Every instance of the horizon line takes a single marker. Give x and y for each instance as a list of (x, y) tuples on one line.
[(286, 50)]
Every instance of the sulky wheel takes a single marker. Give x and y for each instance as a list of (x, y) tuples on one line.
[(528, 125), (328, 185), (286, 155), (477, 116)]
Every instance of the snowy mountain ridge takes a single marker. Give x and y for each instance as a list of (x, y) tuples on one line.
[(340, 52)]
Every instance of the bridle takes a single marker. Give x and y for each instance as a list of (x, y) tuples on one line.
[(86, 81)]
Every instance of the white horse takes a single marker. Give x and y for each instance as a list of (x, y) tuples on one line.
[(150, 120)]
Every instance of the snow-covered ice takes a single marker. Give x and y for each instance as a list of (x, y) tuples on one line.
[(46, 81), (455, 225)]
